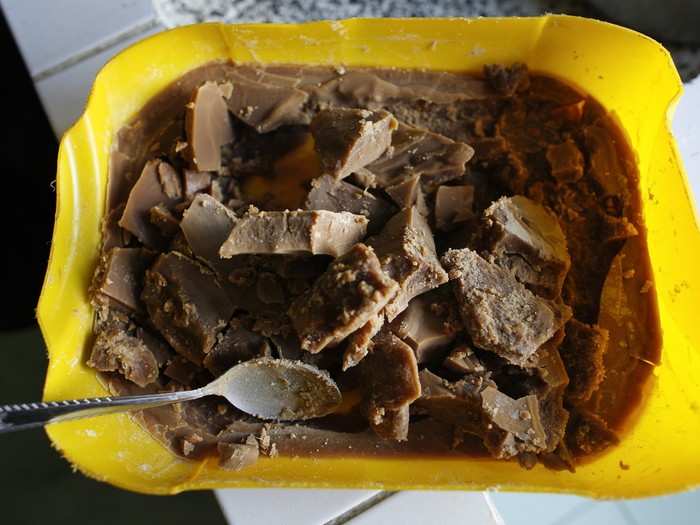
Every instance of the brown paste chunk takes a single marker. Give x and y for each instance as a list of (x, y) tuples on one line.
[(565, 161), (526, 238), (350, 139), (265, 107), (423, 330), (500, 314), (116, 351), (118, 280), (186, 304), (507, 80), (353, 290), (406, 250), (391, 379), (435, 157), (148, 192), (330, 194), (582, 351), (408, 192), (235, 345)]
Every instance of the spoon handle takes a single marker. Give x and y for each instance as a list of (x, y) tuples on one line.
[(29, 415)]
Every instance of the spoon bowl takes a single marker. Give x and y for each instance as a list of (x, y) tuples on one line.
[(279, 389)]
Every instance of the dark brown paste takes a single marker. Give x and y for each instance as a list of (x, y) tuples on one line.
[(464, 254)]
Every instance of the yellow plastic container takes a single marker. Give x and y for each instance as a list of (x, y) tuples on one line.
[(630, 74)]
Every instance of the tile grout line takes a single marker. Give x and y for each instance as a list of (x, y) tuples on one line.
[(493, 510), (96, 49), (361, 508)]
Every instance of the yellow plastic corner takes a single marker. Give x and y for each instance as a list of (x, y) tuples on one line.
[(630, 74)]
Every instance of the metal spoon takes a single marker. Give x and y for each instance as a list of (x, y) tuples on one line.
[(278, 389)]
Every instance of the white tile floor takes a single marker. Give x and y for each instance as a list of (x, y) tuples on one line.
[(65, 93), (69, 28), (299, 507), (64, 44), (418, 508)]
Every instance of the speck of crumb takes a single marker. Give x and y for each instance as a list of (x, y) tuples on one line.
[(624, 466)]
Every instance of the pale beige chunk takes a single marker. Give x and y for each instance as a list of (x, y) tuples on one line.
[(208, 127), (518, 417), (149, 191), (196, 182), (316, 232), (462, 360), (118, 280), (206, 224)]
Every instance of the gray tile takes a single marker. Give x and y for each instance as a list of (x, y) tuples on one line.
[(686, 129), (678, 509), (64, 94), (291, 506), (50, 31), (542, 509), (421, 507), (593, 513)]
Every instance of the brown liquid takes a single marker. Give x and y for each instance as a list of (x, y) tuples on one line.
[(285, 188), (547, 113)]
